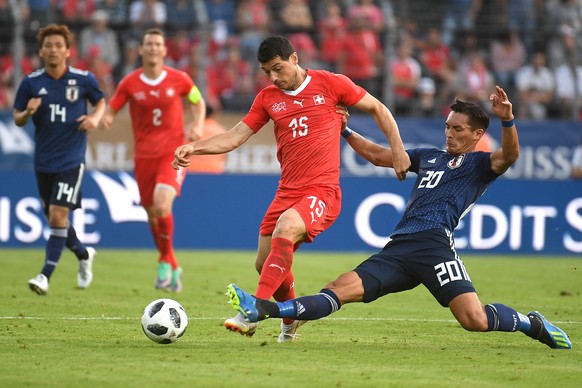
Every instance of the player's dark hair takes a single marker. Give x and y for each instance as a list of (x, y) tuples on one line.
[(54, 29), (478, 118), (274, 46), (153, 31)]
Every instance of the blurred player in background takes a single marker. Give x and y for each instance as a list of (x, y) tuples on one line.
[(56, 98), (155, 92), (302, 103), (422, 249)]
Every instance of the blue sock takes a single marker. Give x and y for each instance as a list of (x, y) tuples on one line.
[(309, 308), (503, 318), (53, 249), (75, 245)]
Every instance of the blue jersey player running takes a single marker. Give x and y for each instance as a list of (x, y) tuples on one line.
[(421, 250), (56, 98)]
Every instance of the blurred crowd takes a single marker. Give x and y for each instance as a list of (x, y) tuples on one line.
[(415, 55)]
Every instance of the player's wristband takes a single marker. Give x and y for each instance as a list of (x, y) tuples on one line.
[(507, 124), (346, 133)]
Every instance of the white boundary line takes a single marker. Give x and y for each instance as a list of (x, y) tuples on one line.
[(104, 318)]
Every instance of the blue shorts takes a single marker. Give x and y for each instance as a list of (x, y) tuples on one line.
[(427, 257), (61, 188)]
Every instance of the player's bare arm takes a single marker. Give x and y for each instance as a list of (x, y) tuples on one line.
[(91, 121), (108, 118), (21, 116), (218, 144), (194, 129), (387, 123), (504, 157)]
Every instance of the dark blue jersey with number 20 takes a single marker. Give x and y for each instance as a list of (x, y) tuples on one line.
[(60, 146), (446, 188)]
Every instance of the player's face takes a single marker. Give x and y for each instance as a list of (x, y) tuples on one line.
[(460, 138), (153, 50), (54, 51), (284, 74)]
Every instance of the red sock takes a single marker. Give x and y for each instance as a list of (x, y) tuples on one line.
[(165, 240), (286, 291), (155, 234), (276, 268)]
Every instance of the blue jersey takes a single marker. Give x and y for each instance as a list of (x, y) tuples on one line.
[(60, 146), (446, 188)]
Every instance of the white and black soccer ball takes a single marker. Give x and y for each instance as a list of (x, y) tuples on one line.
[(164, 321)]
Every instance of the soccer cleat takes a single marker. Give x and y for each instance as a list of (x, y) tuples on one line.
[(549, 334), (164, 278), (239, 324), (85, 274), (176, 282), (289, 332), (39, 284), (243, 302)]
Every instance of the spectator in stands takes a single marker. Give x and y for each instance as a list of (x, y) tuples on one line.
[(508, 55), (184, 16), (130, 61), (146, 14), (298, 25), (535, 84), (521, 17), (563, 30), (211, 164), (458, 15), (361, 56), (117, 13), (568, 77), (405, 72), (179, 46), (475, 81), (221, 16), (76, 14), (577, 162), (36, 14), (436, 58), (98, 34), (253, 24), (7, 24), (331, 31), (369, 12)]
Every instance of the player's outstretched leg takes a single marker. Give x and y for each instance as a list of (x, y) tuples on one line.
[(550, 334), (243, 302)]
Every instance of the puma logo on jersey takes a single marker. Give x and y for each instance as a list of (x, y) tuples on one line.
[(298, 102)]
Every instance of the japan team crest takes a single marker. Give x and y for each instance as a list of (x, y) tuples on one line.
[(456, 162), (72, 93)]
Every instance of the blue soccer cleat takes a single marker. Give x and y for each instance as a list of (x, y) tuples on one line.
[(551, 335), (243, 302)]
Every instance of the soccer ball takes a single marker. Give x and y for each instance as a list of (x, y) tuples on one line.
[(164, 321)]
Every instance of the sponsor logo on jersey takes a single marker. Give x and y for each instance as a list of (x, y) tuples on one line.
[(298, 102), (139, 96), (72, 93), (319, 99), (155, 93), (456, 162), (278, 107)]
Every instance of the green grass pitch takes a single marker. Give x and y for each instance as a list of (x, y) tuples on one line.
[(93, 337)]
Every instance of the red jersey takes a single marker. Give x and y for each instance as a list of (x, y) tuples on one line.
[(155, 108), (307, 127)]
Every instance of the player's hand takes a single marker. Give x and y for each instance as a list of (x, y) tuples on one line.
[(182, 156), (343, 111), (401, 164), (88, 123), (500, 104), (107, 121), (33, 105)]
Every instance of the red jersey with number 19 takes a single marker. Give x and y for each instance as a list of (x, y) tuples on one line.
[(155, 108), (307, 127)]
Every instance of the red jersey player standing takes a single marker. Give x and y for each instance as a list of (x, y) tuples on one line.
[(303, 105), (155, 93)]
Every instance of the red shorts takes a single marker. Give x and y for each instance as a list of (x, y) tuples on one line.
[(150, 172), (319, 207)]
